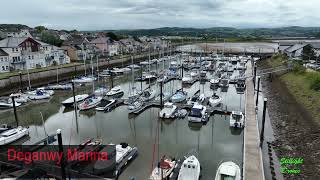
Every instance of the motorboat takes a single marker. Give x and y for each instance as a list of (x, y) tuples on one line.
[(163, 170), (38, 95), (7, 104), (43, 90), (237, 119), (101, 91), (190, 169), (215, 100), (224, 82), (134, 106), (115, 92), (214, 82), (59, 87), (13, 134), (89, 103), (240, 85), (203, 74), (193, 100), (187, 79), (168, 110), (228, 170), (84, 79), (4, 127), (19, 98), (198, 114), (145, 63), (105, 104), (179, 96), (148, 76), (105, 73), (133, 66), (148, 94), (194, 73), (70, 101), (118, 157)]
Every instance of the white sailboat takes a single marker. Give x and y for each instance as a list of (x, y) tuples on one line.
[(13, 134), (19, 97), (38, 95), (7, 104), (190, 169), (228, 170), (148, 94), (135, 106), (115, 92), (90, 103), (70, 101)]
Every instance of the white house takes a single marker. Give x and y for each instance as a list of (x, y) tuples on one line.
[(4, 61), (22, 33), (295, 51), (28, 53)]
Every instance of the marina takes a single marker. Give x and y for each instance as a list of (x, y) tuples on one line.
[(204, 127)]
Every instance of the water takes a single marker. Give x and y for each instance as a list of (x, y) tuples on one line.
[(214, 142)]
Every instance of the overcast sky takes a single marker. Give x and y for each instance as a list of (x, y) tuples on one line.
[(137, 14)]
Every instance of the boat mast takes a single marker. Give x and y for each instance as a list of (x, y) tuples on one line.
[(29, 79), (57, 73), (92, 75)]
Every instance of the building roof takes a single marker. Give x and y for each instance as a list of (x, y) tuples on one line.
[(100, 40), (16, 41), (3, 53), (296, 47), (75, 40)]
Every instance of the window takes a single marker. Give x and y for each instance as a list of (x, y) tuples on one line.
[(29, 57), (32, 57), (7, 67), (12, 49), (3, 68), (16, 49)]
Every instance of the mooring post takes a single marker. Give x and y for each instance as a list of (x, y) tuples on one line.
[(263, 121), (62, 165), (258, 89), (254, 74), (20, 76), (161, 95), (15, 110)]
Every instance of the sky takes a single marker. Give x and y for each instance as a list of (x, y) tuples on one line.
[(146, 14)]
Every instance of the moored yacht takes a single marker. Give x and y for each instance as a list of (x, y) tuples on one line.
[(84, 79), (70, 101), (13, 134), (115, 92), (168, 110), (105, 104), (163, 170), (148, 94), (228, 170), (179, 96), (215, 100), (198, 114), (7, 104), (190, 169), (134, 106), (237, 119), (89, 103)]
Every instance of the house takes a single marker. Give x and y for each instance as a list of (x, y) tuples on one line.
[(295, 51), (18, 34), (78, 48), (4, 61), (28, 53), (102, 43)]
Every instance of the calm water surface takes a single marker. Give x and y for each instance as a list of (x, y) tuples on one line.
[(214, 142)]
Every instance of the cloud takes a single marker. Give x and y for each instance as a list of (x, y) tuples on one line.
[(131, 14)]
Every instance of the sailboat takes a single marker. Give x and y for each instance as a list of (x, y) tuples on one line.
[(237, 119), (19, 97), (228, 170), (168, 111), (215, 100), (13, 134), (148, 94), (135, 106), (179, 96), (70, 101), (133, 92), (115, 92), (38, 95), (190, 169), (7, 104)]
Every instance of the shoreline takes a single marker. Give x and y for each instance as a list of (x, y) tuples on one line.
[(296, 132)]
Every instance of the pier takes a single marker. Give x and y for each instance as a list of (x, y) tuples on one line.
[(252, 155)]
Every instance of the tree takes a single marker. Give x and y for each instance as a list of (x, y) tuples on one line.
[(40, 28), (50, 39), (112, 36), (308, 52)]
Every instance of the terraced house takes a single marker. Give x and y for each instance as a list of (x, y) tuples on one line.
[(28, 53)]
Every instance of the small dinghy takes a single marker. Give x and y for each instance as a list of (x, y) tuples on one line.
[(89, 103), (13, 134), (215, 100), (163, 170), (70, 101), (190, 169), (228, 171)]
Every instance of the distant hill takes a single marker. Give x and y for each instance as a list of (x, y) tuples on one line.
[(226, 32), (13, 27)]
